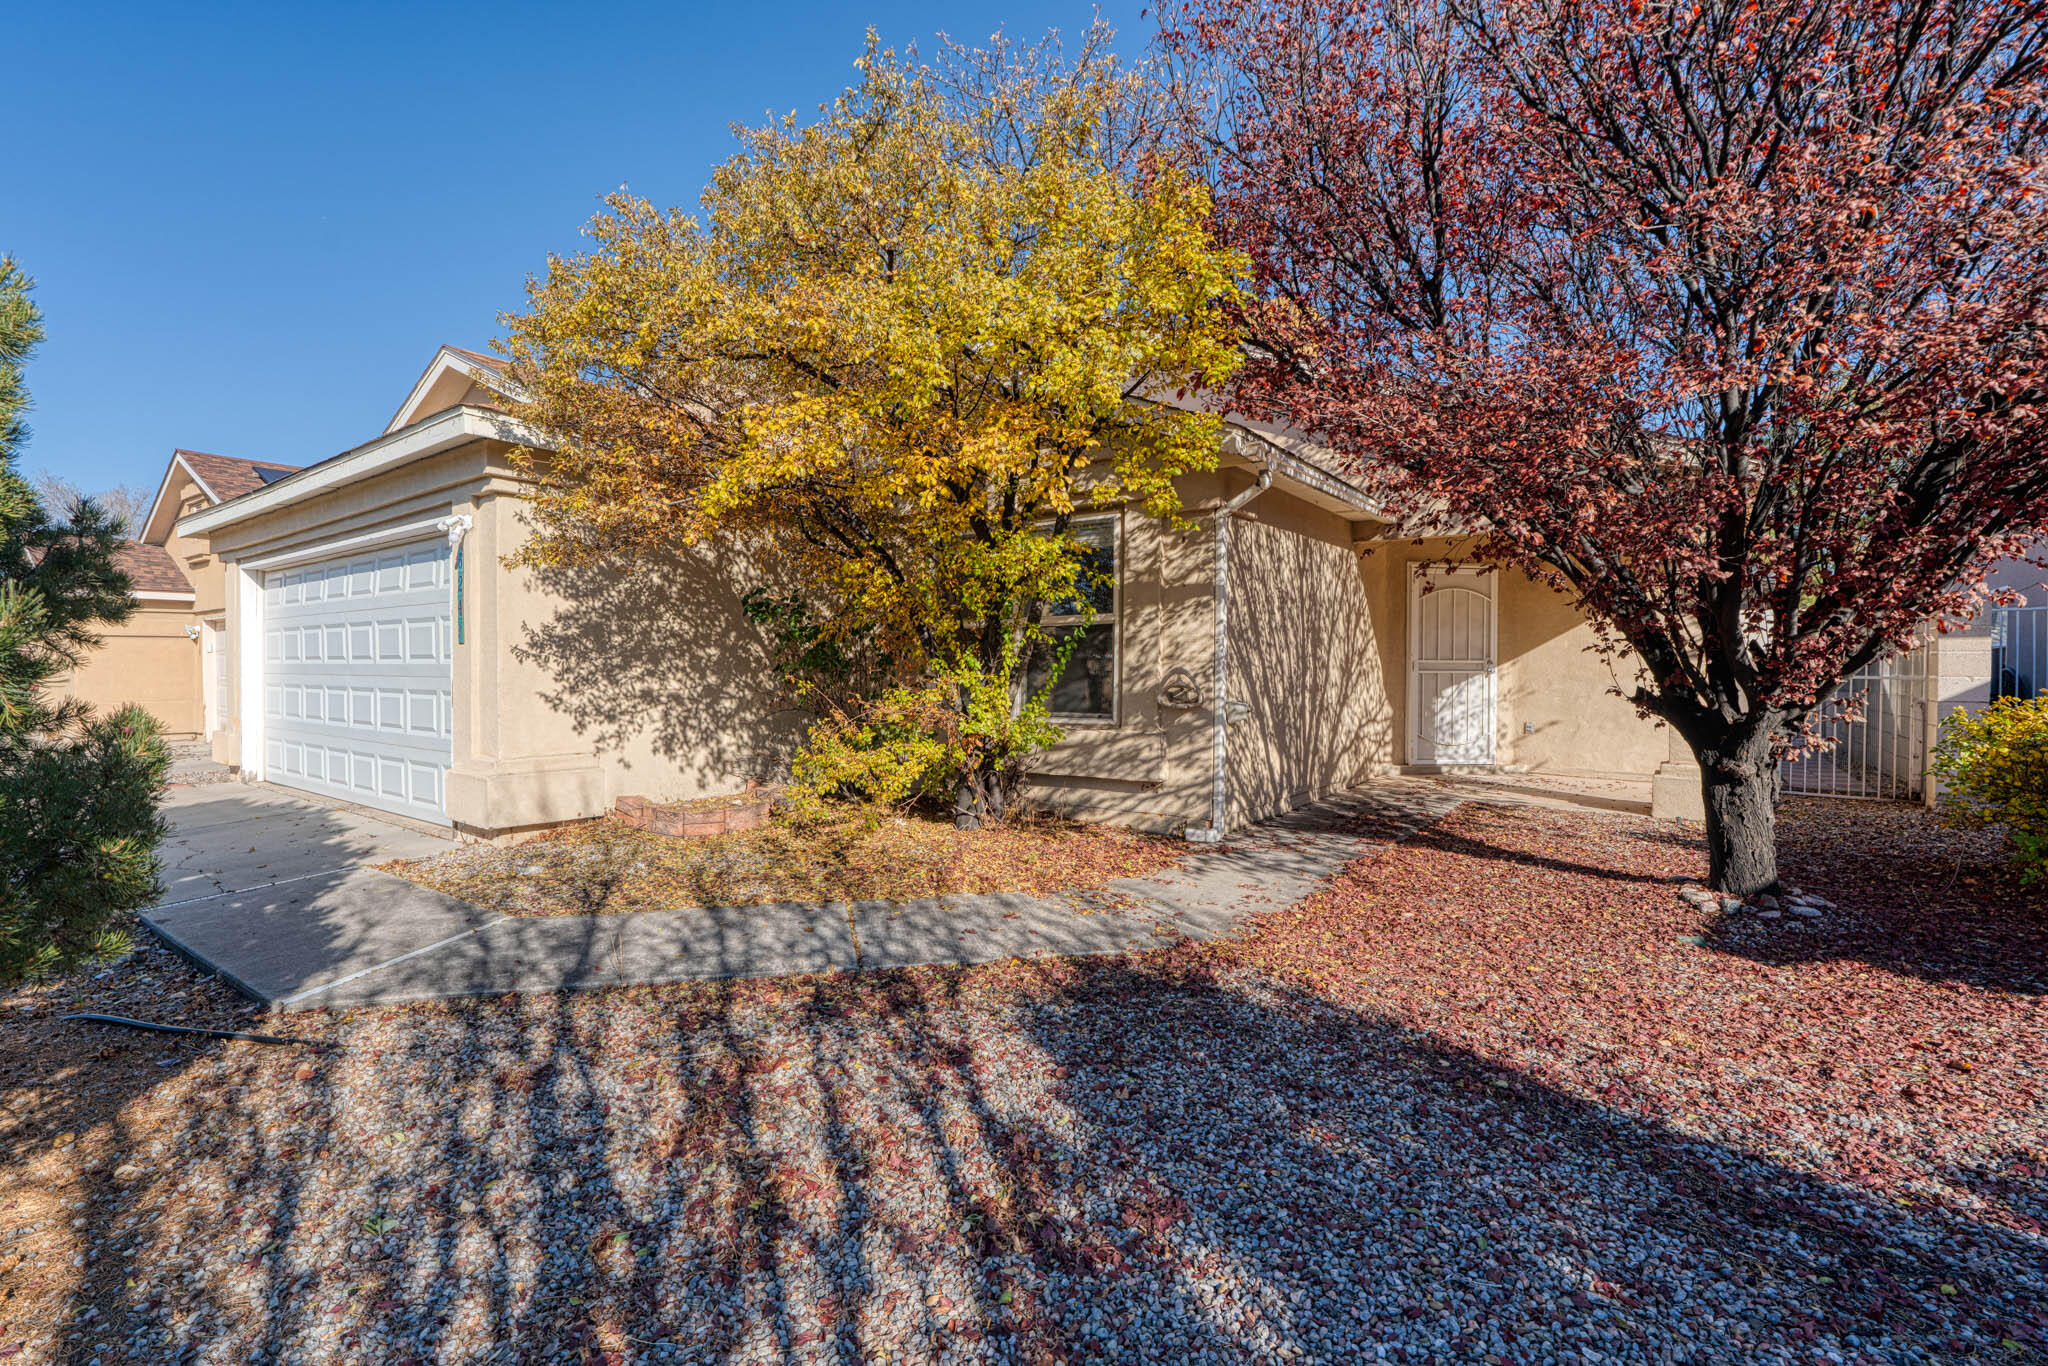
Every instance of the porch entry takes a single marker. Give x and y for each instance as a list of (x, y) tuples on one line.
[(214, 673), (1451, 659)]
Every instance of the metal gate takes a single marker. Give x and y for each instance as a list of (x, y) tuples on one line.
[(1882, 753), (2019, 652)]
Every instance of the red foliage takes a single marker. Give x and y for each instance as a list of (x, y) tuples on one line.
[(1726, 318)]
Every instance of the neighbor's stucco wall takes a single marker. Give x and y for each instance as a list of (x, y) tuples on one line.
[(147, 660), (193, 553)]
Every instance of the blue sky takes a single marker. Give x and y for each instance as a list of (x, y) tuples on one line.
[(252, 224)]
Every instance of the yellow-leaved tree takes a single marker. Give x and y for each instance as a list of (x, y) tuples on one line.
[(898, 350)]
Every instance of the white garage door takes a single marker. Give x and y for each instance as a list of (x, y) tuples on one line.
[(357, 702)]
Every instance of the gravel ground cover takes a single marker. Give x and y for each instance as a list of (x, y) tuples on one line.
[(609, 866), (1496, 1094)]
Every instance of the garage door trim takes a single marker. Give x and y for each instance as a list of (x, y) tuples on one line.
[(246, 586)]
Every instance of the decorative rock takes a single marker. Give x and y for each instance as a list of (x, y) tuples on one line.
[(1770, 915), (1810, 912)]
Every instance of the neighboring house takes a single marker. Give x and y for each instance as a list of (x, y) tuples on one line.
[(383, 653), (170, 656)]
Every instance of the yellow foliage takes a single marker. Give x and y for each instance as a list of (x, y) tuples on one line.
[(899, 346), (1994, 762)]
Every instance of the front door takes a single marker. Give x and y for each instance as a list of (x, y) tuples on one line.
[(215, 674), (1451, 667)]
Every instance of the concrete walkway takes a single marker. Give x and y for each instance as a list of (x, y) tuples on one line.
[(295, 936)]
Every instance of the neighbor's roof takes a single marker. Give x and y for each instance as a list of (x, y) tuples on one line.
[(150, 568), (220, 477), (226, 477)]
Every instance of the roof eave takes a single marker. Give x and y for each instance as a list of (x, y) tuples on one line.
[(443, 431), (1304, 475), (163, 489), (449, 357)]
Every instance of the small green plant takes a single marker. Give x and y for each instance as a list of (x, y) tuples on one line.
[(1994, 763), (926, 741)]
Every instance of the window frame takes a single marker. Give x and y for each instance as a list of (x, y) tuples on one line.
[(1112, 619)]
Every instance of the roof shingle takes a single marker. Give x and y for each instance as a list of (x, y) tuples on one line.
[(229, 477), (150, 568)]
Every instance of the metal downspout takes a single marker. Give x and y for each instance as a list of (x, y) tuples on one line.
[(1219, 755)]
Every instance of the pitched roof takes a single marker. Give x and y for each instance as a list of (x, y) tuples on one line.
[(226, 477), (150, 568), (492, 362), (451, 379)]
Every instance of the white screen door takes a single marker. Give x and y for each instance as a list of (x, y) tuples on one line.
[(215, 673), (1451, 667)]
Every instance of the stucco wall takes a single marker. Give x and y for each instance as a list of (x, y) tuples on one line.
[(1556, 711), (150, 661), (1149, 769), (601, 684), (571, 688), (1305, 659), (426, 489), (574, 687)]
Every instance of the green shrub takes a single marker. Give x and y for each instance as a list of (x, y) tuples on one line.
[(922, 742), (78, 835), (78, 792), (1994, 763)]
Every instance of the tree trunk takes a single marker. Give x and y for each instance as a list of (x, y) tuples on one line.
[(1741, 790), (979, 798)]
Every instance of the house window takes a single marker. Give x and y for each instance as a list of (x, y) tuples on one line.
[(1086, 688)]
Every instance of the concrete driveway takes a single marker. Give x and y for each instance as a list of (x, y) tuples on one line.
[(276, 894)]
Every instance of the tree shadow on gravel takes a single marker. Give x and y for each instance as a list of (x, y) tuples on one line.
[(1040, 1162), (1467, 841), (1911, 897)]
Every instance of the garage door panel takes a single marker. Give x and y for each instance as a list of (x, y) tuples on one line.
[(358, 701)]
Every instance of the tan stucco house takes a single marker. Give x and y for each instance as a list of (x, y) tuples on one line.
[(170, 655), (380, 651)]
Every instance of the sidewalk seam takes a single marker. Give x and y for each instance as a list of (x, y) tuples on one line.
[(285, 1001), (253, 887)]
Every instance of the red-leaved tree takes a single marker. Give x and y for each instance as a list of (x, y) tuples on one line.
[(1726, 318)]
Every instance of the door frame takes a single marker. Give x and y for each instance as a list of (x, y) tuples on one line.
[(213, 662), (1488, 582)]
